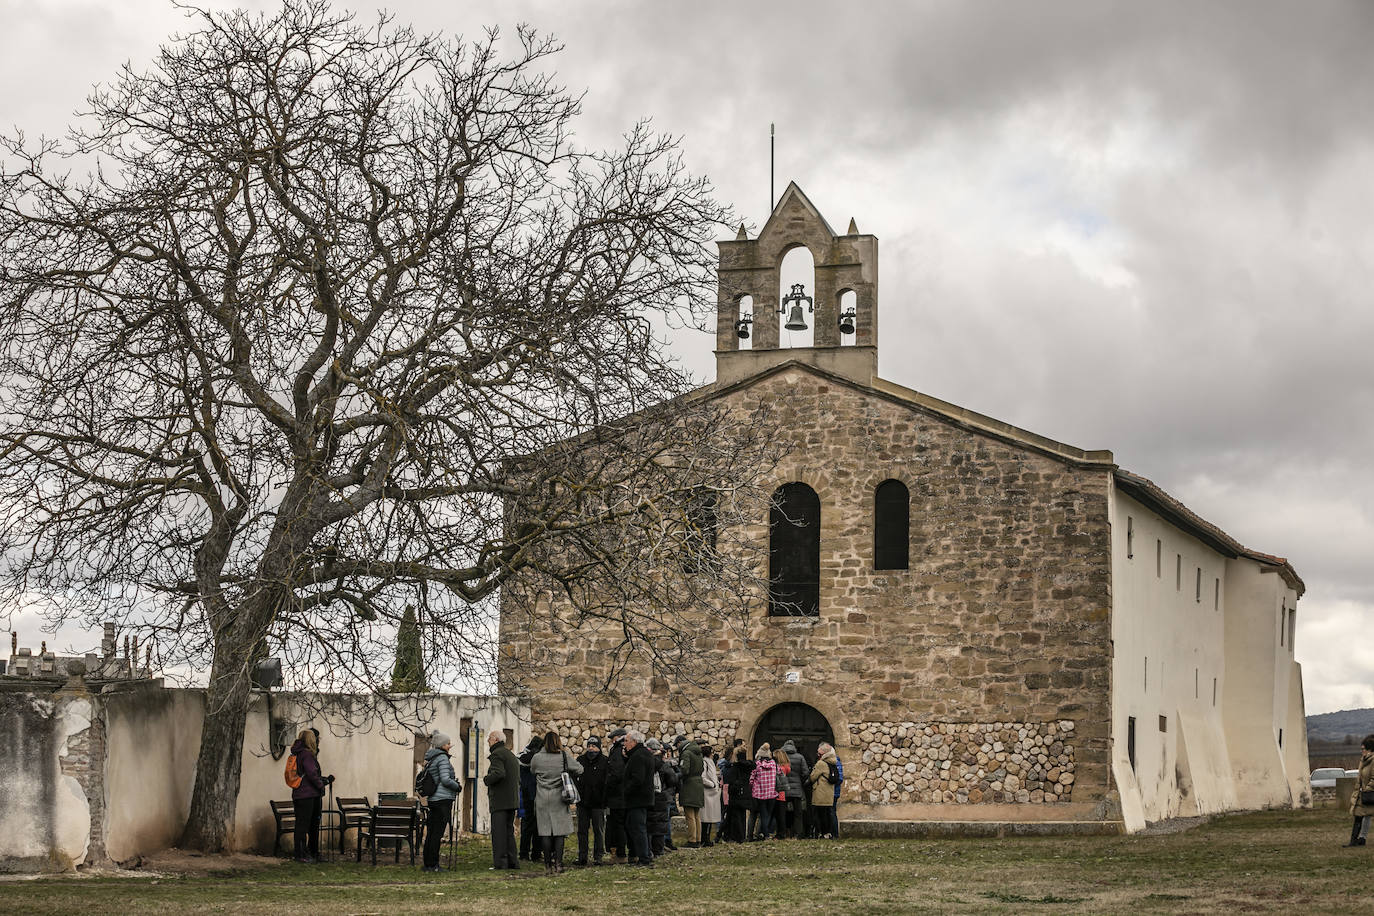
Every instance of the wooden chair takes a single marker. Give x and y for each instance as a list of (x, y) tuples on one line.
[(354, 814), (284, 812), (394, 820)]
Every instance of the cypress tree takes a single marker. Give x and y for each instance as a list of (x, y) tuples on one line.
[(409, 674)]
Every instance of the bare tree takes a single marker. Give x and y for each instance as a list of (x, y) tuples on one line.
[(339, 320)]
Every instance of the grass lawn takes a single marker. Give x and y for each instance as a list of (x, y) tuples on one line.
[(1269, 862)]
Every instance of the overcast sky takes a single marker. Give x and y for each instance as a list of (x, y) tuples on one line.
[(1137, 226)]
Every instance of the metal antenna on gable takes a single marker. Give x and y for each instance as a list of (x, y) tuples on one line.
[(771, 198)]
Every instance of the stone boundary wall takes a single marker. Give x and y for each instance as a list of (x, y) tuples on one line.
[(575, 732), (963, 763)]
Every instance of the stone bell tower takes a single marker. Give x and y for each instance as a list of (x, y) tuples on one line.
[(752, 267)]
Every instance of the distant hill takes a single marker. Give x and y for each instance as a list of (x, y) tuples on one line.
[(1334, 726)]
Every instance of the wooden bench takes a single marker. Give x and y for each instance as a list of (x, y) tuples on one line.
[(395, 820), (354, 814), (284, 812)]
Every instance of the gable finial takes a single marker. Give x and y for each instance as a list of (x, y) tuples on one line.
[(741, 236), (853, 227)]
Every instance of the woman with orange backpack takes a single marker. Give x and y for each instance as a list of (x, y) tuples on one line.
[(307, 793)]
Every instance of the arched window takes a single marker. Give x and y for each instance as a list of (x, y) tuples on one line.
[(891, 525), (699, 537), (794, 552), (798, 266), (848, 304), (744, 320)]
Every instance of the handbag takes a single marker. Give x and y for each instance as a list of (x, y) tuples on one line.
[(570, 795), (1367, 797)]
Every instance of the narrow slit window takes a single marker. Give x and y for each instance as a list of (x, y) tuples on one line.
[(1214, 691), (1178, 573), (1130, 741), (891, 525), (1164, 723), (1196, 683), (1216, 595), (1159, 559), (1199, 585), (1146, 685), (1283, 614), (1130, 538)]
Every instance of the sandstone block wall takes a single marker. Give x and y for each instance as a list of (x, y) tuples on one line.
[(1002, 617)]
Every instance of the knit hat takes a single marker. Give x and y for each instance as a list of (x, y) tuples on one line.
[(618, 733), (765, 750), (823, 749), (593, 741), (439, 739)]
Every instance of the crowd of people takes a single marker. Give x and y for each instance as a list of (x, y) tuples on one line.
[(626, 796), (620, 801)]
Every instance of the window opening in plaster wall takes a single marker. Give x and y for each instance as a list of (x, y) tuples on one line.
[(1130, 741), (1199, 585), (849, 305), (1214, 691), (1216, 595), (1196, 695), (1147, 673), (1130, 538), (1283, 614), (1280, 737), (1292, 627), (744, 319), (1159, 559), (1164, 723), (1178, 573), (891, 525), (798, 266)]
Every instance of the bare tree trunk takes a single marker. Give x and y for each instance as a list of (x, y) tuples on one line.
[(216, 791)]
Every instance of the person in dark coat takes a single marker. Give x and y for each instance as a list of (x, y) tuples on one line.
[(529, 817), (591, 810), (691, 793), (660, 818), (308, 797), (441, 802), (797, 775), (640, 766), (615, 796), (503, 799), (741, 801)]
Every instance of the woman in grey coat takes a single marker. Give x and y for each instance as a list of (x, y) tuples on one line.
[(555, 816)]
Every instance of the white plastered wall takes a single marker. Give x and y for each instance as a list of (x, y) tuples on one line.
[(1265, 690), (154, 737), (1168, 647)]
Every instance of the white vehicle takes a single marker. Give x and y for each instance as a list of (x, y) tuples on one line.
[(1325, 777)]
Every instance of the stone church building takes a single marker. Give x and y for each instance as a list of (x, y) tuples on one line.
[(990, 625)]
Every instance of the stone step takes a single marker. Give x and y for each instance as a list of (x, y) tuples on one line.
[(874, 829)]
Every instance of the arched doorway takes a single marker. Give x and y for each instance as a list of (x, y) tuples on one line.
[(803, 725)]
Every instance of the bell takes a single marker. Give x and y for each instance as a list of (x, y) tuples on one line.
[(795, 320), (847, 323), (742, 330)]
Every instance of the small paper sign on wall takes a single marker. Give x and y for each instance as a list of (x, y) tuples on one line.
[(794, 677)]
